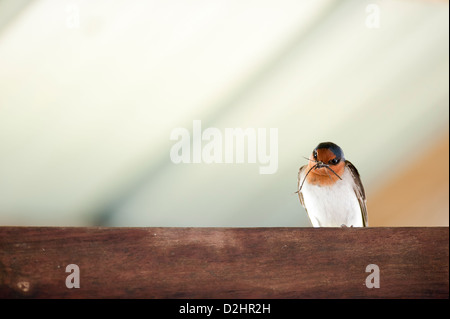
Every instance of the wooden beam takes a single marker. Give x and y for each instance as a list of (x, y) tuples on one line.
[(223, 262)]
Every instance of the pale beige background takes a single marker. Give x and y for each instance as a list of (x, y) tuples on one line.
[(90, 91)]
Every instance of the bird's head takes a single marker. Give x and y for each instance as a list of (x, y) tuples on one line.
[(326, 164)]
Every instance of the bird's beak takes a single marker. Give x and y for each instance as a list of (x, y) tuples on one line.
[(320, 165)]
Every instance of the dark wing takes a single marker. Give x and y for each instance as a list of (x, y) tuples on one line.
[(359, 191), (300, 195)]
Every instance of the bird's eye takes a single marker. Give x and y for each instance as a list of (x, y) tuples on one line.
[(315, 155), (334, 161)]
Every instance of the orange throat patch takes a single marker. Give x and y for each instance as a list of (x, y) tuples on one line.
[(323, 176)]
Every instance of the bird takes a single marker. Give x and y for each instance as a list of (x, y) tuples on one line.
[(330, 189)]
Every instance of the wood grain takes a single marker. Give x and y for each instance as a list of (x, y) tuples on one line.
[(224, 262)]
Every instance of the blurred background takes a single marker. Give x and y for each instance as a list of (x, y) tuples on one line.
[(90, 91)]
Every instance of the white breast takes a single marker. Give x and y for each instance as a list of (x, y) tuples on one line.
[(333, 206)]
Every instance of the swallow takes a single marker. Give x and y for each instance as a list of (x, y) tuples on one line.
[(330, 189)]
